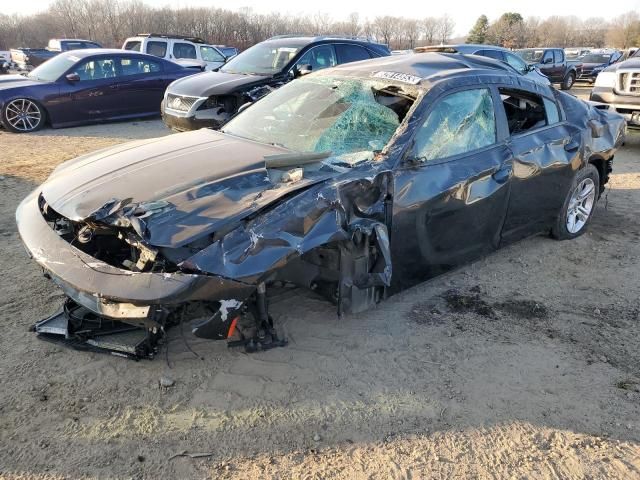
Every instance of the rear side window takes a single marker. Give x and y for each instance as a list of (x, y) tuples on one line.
[(351, 53), (157, 49), (138, 66), (516, 62), (133, 45), (459, 123), (525, 110), (553, 115), (492, 54), (558, 56), (184, 50)]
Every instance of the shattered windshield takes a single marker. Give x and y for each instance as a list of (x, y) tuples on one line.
[(261, 59), (530, 55), (349, 118)]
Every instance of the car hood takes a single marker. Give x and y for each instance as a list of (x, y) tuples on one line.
[(629, 63), (13, 81), (214, 83), (170, 190)]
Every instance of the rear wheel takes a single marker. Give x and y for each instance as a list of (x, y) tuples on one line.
[(568, 81), (579, 205), (23, 115)]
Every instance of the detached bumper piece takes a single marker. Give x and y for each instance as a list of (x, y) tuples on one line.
[(77, 327)]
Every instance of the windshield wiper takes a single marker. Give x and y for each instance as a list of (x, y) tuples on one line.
[(294, 159)]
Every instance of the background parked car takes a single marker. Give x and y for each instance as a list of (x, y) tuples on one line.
[(209, 99), (228, 52), (499, 53), (617, 87), (84, 86), (28, 58), (553, 63), (593, 63), (177, 48), (5, 62)]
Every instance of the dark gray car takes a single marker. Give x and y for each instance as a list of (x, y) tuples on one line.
[(499, 53), (209, 99)]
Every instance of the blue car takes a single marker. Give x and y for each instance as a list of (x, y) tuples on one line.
[(86, 86)]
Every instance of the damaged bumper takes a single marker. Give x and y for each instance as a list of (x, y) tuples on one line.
[(192, 119), (146, 300)]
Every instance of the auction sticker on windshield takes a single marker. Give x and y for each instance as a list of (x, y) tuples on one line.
[(401, 77)]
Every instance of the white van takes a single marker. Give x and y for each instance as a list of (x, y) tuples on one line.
[(176, 48)]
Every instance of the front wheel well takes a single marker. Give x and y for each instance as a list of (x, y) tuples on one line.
[(604, 169)]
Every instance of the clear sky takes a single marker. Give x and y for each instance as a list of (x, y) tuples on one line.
[(464, 12)]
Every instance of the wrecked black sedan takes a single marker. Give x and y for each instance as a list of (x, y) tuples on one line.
[(355, 182)]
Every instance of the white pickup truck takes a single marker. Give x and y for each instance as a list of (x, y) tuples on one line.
[(178, 49)]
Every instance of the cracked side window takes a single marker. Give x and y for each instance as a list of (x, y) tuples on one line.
[(459, 123)]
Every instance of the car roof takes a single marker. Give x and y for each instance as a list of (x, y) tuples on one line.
[(460, 48), (90, 52), (303, 40), (427, 66), (71, 40)]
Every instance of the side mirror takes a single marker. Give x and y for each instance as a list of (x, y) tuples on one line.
[(547, 60), (72, 77), (244, 106), (301, 70)]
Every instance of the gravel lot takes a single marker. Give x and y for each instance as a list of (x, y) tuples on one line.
[(523, 364)]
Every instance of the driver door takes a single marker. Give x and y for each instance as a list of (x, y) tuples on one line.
[(95, 96), (451, 192)]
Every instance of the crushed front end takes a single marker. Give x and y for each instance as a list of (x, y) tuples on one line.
[(122, 294)]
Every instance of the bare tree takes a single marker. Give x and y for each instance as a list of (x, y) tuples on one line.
[(445, 28), (430, 27), (111, 21), (624, 31), (386, 28), (412, 30)]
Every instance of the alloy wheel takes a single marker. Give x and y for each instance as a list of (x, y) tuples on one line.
[(580, 205), (23, 115)]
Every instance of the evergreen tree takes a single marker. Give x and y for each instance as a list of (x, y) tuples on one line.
[(478, 33)]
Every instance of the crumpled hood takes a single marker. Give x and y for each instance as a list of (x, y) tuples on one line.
[(214, 83), (13, 81), (174, 189)]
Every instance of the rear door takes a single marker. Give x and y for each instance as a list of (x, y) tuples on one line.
[(185, 50), (141, 84), (351, 53), (546, 152), (157, 48), (451, 192)]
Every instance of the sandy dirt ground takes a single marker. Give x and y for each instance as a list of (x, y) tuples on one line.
[(523, 364)]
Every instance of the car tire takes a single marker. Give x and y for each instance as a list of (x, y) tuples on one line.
[(568, 81), (578, 207), (23, 115)]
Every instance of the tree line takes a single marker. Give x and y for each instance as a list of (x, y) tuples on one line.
[(511, 30), (111, 21)]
